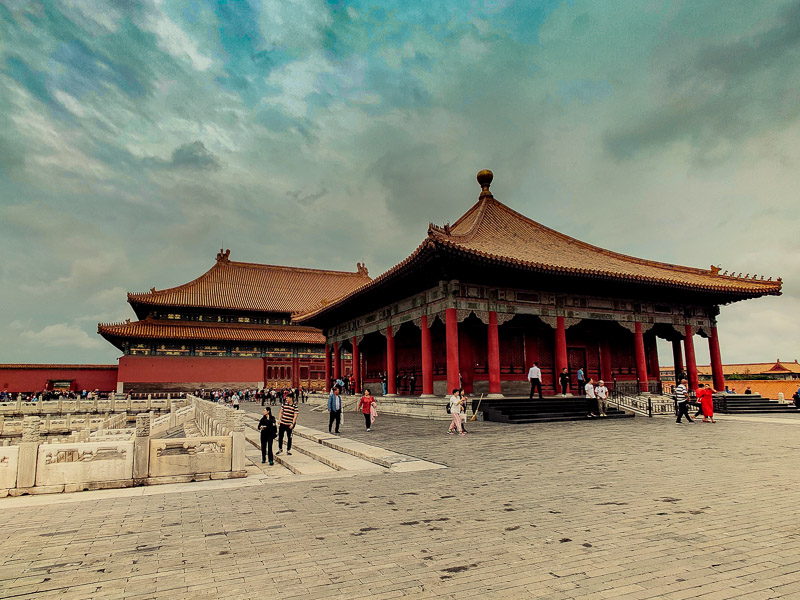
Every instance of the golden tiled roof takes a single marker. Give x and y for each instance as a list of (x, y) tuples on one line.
[(491, 231), (234, 332), (230, 285)]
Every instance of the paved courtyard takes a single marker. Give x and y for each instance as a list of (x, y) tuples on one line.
[(633, 508)]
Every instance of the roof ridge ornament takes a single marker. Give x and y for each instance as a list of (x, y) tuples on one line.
[(224, 256), (485, 178), (362, 269)]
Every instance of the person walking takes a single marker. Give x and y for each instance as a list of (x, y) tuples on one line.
[(365, 405), (535, 377), (563, 379), (601, 391), (581, 380), (463, 396), (412, 383), (681, 392), (384, 382), (591, 399), (455, 411), (236, 401), (335, 409), (287, 420), (705, 395), (268, 431)]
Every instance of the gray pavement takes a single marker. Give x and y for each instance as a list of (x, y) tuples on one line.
[(632, 509)]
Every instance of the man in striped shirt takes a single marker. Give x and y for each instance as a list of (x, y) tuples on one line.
[(681, 392), (287, 421)]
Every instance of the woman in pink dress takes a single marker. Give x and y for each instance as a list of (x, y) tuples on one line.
[(706, 399)]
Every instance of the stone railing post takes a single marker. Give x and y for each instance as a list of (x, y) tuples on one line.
[(173, 415), (141, 449), (236, 421), (220, 417), (28, 452)]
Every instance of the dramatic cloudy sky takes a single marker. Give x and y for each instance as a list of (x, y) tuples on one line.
[(137, 137)]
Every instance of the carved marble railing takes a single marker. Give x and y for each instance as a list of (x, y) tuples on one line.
[(649, 406), (113, 404)]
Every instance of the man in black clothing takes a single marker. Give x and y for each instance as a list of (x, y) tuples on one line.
[(412, 383), (563, 379), (268, 431)]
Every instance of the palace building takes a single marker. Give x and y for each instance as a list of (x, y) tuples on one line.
[(479, 301), (230, 327)]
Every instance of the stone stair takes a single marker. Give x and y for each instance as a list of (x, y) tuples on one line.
[(548, 409), (753, 403), (316, 453)]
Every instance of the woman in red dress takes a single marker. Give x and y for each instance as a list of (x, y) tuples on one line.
[(366, 405), (706, 399)]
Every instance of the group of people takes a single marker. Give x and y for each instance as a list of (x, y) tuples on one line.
[(264, 395), (596, 393), (366, 405), (6, 396), (457, 407), (705, 397), (269, 429)]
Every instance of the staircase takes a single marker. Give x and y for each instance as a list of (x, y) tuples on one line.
[(320, 454), (549, 409), (753, 403)]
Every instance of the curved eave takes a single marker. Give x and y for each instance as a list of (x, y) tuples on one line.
[(745, 292)]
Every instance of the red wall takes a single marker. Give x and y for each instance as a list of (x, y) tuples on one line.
[(34, 378), (190, 369)]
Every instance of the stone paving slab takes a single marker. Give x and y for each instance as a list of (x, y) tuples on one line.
[(635, 509)]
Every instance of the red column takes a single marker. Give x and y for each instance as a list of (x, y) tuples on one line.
[(327, 367), (427, 358), (641, 362), (677, 358), (716, 361), (494, 355), (391, 366), (691, 363), (337, 361), (451, 335), (561, 353), (295, 372), (356, 366), (605, 361)]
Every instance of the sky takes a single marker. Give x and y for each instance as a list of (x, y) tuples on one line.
[(138, 137)]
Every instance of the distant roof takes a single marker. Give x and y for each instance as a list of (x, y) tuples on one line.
[(230, 285), (491, 231), (188, 330), (755, 368)]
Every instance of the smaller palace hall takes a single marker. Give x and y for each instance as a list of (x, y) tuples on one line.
[(230, 327), (479, 301)]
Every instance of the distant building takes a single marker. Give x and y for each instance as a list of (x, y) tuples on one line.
[(230, 327), (776, 370)]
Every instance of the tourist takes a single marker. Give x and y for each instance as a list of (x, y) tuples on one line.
[(463, 396), (581, 380), (384, 381), (601, 391), (455, 411), (335, 409), (681, 392), (412, 383), (287, 420), (268, 431), (366, 405), (706, 399), (563, 379), (591, 400), (535, 377), (235, 401), (749, 391)]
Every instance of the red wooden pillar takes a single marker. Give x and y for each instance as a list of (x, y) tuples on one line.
[(641, 362), (677, 358), (561, 353), (451, 335), (356, 366), (391, 365), (427, 358), (295, 372), (327, 367), (493, 338), (605, 361), (716, 361), (691, 363), (337, 361)]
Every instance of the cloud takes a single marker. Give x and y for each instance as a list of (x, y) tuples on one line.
[(62, 335), (194, 155)]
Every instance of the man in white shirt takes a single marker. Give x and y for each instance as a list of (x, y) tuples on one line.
[(535, 377), (601, 391), (681, 392), (591, 399)]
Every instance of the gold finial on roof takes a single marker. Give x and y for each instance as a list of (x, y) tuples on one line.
[(485, 178)]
